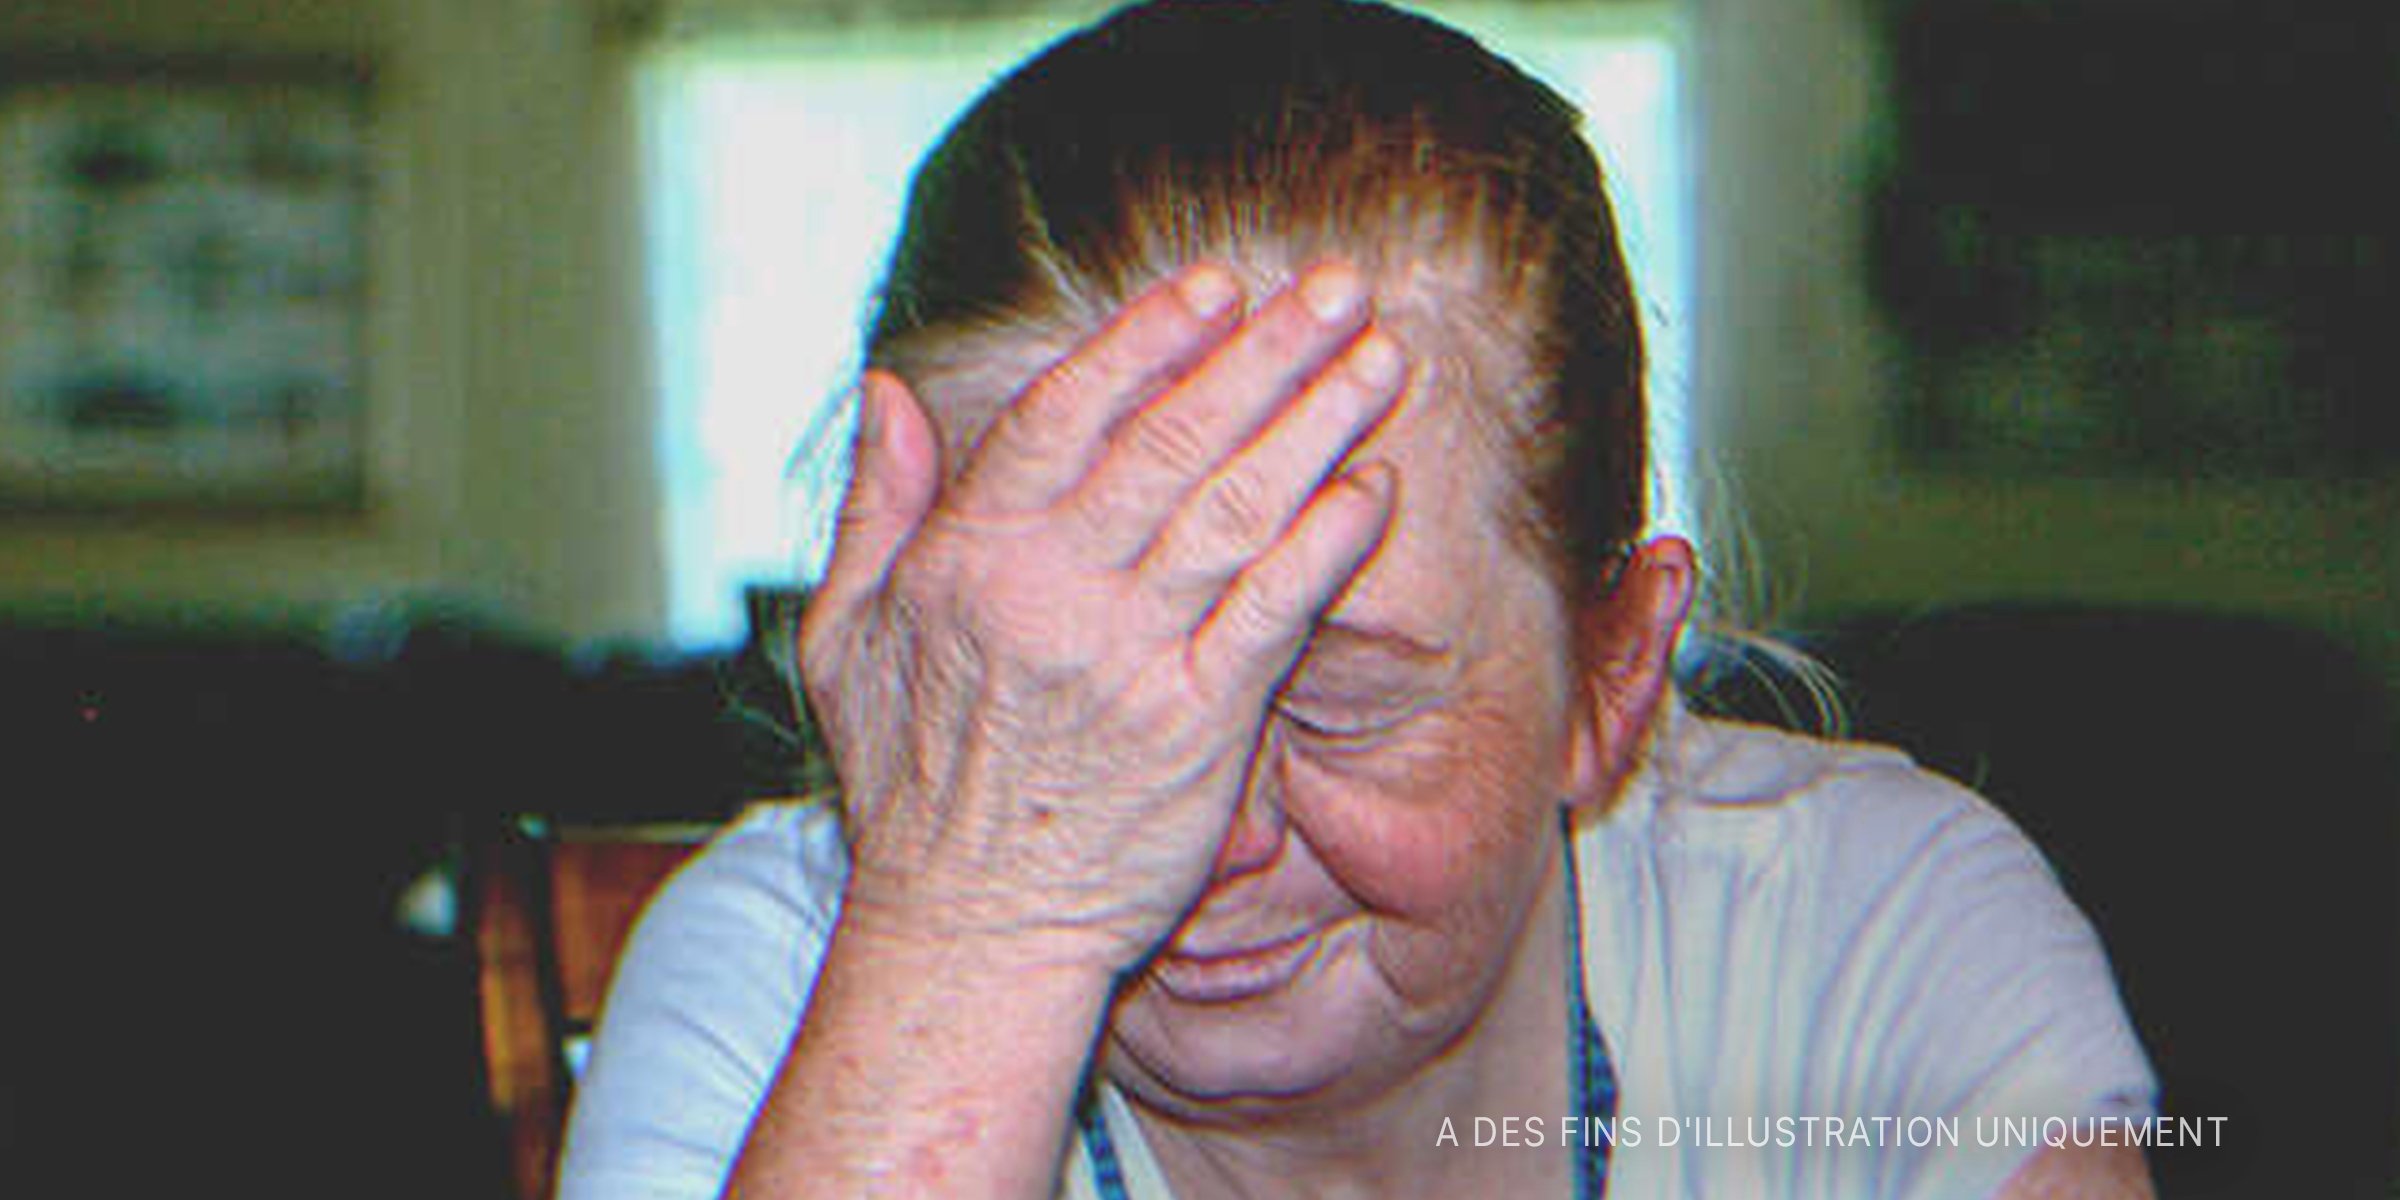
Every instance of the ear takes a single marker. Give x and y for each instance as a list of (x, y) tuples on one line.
[(1628, 635)]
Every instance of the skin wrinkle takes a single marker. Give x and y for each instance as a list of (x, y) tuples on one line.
[(1425, 853), (1438, 303), (1433, 865), (985, 830), (1476, 180), (1426, 972), (1357, 813)]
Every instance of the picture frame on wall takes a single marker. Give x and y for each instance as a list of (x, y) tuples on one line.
[(183, 285)]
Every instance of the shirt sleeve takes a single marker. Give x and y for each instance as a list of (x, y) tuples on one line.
[(698, 1016), (1961, 985)]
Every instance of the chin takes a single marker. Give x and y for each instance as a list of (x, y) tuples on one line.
[(1325, 1033)]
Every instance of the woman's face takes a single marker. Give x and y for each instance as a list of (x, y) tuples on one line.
[(1401, 818)]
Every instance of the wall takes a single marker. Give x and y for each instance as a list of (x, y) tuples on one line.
[(512, 440), (1796, 367), (511, 467)]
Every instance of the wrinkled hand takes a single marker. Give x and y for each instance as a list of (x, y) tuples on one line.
[(1043, 684)]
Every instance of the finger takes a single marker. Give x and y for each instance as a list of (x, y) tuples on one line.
[(1180, 438), (1047, 439), (1245, 507), (1249, 641), (893, 476)]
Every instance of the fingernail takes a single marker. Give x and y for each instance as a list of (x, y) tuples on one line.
[(1333, 292), (1377, 361), (1207, 291)]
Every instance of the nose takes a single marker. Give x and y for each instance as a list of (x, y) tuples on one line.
[(1258, 825)]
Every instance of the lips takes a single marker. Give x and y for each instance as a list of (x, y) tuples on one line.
[(1222, 977)]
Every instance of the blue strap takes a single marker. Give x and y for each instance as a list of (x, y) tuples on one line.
[(1108, 1176), (1589, 1077), (1594, 1081)]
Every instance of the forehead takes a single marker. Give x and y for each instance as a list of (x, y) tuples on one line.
[(1447, 547)]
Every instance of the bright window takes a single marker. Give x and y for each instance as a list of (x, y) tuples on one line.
[(775, 176)]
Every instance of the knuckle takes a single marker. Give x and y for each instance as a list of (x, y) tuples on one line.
[(1106, 523), (1235, 507), (977, 597), (1266, 603), (1172, 439)]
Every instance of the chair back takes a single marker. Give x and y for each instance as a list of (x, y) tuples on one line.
[(552, 907)]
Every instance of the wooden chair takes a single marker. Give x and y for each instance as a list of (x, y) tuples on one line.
[(551, 908)]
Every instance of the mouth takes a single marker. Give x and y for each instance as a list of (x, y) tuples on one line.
[(1222, 977)]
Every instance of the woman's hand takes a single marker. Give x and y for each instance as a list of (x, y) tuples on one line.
[(1043, 683)]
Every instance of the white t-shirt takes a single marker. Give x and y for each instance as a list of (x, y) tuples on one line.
[(1807, 944)]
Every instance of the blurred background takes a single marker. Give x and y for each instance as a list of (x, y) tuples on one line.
[(2029, 361)]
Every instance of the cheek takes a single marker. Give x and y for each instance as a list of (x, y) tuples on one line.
[(1442, 818)]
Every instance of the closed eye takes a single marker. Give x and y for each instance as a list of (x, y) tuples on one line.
[(1322, 724)]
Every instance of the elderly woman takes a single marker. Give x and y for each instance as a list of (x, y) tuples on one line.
[(1250, 692)]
